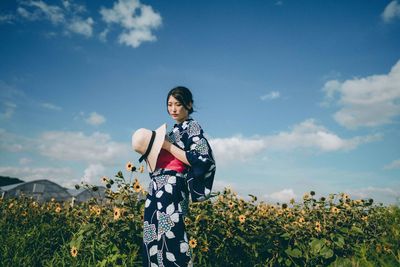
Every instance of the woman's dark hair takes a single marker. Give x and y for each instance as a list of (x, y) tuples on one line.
[(184, 96)]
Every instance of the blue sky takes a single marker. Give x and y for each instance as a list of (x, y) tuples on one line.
[(293, 95)]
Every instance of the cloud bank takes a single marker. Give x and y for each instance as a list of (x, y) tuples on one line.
[(305, 135), (366, 102)]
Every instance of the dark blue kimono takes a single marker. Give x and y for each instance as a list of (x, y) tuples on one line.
[(164, 238)]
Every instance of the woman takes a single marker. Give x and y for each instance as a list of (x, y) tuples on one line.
[(185, 167)]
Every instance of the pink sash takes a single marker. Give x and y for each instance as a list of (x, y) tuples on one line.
[(167, 161)]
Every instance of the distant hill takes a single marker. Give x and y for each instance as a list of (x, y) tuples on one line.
[(5, 180)]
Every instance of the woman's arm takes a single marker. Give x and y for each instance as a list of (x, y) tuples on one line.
[(175, 151)]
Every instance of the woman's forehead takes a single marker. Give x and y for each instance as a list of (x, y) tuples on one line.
[(172, 99)]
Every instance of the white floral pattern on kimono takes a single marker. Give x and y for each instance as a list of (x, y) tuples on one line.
[(165, 242)]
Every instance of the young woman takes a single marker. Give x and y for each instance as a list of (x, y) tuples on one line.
[(185, 167)]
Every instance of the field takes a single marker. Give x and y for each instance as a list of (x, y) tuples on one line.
[(224, 231)]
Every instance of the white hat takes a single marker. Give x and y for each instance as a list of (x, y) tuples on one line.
[(148, 144)]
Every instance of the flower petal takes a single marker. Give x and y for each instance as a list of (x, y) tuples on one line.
[(170, 256), (148, 201), (153, 250), (159, 194), (168, 188), (175, 217), (170, 234), (184, 247), (172, 180), (170, 209)]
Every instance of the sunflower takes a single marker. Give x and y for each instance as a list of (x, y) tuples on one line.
[(192, 243), (141, 169), (137, 187), (301, 220), (98, 211), (334, 210), (230, 204), (318, 226), (242, 218), (58, 209), (129, 166), (74, 251), (117, 213), (104, 179), (187, 221)]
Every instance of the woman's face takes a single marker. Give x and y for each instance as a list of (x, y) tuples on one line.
[(176, 110)]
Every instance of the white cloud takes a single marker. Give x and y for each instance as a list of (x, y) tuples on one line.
[(305, 135), (93, 173), (28, 174), (51, 106), (41, 10), (281, 196), (7, 18), (393, 165), (95, 119), (67, 15), (80, 26), (25, 161), (13, 143), (270, 96), (136, 19), (366, 102), (76, 146), (391, 12), (9, 109)]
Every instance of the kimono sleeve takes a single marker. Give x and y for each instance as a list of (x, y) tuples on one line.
[(202, 164)]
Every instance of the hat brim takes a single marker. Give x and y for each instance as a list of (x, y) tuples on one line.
[(156, 148)]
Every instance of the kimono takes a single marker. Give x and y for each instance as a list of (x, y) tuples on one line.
[(165, 242)]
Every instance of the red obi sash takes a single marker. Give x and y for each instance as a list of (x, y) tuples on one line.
[(167, 161)]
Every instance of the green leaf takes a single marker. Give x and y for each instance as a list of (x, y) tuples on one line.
[(295, 253)]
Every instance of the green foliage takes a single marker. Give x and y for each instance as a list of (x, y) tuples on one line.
[(224, 231)]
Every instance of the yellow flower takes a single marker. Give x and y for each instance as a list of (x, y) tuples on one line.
[(334, 210), (221, 198), (137, 187), (98, 211), (242, 218), (129, 166), (192, 243), (303, 212), (230, 204), (187, 221), (58, 209), (318, 226), (74, 251), (301, 220), (117, 213), (364, 218), (24, 213), (104, 179), (141, 169), (306, 196)]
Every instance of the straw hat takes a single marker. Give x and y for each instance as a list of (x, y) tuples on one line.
[(148, 143)]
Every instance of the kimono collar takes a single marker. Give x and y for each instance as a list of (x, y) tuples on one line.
[(180, 124)]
